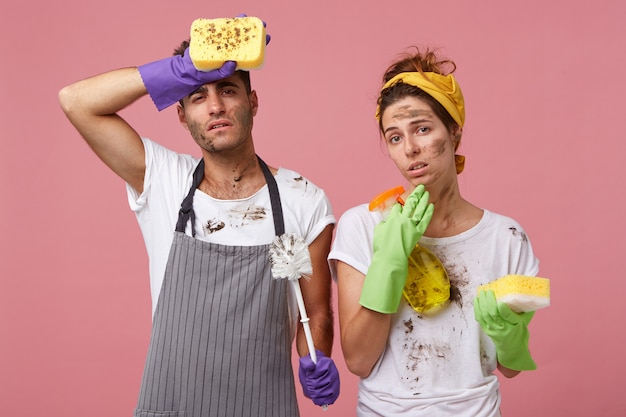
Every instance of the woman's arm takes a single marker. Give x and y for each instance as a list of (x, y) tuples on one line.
[(364, 332)]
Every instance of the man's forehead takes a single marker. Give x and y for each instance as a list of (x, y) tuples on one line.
[(233, 79)]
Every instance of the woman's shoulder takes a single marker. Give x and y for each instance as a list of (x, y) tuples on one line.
[(360, 214), (500, 219)]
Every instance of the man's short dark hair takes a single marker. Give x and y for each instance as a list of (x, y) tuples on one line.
[(243, 75)]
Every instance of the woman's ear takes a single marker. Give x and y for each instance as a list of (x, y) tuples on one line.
[(457, 133)]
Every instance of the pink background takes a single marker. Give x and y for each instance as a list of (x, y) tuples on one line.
[(544, 144)]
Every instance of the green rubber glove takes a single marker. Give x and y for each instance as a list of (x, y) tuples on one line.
[(507, 329), (394, 240)]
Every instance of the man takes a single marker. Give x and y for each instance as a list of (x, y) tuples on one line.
[(222, 325)]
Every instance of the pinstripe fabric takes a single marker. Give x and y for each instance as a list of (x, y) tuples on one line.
[(220, 341)]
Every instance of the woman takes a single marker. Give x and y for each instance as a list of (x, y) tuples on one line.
[(439, 362)]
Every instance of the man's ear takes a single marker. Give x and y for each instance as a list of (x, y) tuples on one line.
[(254, 102), (182, 117)]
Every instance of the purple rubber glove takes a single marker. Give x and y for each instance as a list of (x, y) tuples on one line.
[(171, 79), (320, 381)]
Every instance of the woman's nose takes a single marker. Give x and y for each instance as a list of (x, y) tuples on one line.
[(411, 146)]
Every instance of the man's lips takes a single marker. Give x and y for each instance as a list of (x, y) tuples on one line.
[(218, 125)]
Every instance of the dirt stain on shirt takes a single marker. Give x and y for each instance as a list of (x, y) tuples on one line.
[(212, 226), (518, 233), (244, 215)]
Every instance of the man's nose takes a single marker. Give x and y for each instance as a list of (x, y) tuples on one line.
[(215, 104)]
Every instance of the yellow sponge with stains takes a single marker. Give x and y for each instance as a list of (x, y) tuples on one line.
[(215, 41), (520, 292)]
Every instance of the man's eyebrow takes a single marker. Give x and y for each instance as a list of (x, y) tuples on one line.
[(218, 85), (201, 89), (225, 83)]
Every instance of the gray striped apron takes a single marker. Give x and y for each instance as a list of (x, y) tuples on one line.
[(220, 343)]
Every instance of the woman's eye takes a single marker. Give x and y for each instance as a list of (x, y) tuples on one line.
[(394, 139)]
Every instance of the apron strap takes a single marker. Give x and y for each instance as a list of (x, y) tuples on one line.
[(186, 208), (186, 212), (277, 208)]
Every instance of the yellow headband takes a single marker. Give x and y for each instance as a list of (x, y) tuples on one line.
[(442, 88)]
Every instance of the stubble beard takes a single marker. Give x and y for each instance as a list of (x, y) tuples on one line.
[(211, 142), (200, 136)]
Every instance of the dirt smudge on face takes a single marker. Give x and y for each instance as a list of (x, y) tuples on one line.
[(404, 112), (437, 148)]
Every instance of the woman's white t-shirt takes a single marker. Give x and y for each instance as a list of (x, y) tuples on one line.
[(438, 364)]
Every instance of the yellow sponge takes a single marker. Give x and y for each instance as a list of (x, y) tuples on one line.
[(215, 41), (521, 293)]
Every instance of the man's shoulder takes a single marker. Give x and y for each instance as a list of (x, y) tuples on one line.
[(160, 154), (292, 181)]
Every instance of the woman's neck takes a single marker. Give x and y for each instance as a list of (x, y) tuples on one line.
[(453, 214)]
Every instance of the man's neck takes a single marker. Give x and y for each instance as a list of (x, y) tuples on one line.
[(232, 178)]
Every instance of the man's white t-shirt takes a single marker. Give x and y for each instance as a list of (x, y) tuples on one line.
[(246, 222)]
